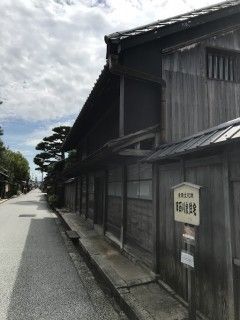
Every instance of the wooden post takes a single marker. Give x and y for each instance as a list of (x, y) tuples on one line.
[(191, 273), (121, 107), (155, 219), (86, 213), (191, 285), (124, 206), (76, 194), (228, 240), (105, 202), (80, 196)]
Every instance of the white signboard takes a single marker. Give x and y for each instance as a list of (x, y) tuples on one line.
[(186, 203), (187, 259)]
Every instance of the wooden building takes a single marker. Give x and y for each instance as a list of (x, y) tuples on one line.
[(164, 110)]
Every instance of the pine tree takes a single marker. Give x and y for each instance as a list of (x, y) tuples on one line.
[(51, 149)]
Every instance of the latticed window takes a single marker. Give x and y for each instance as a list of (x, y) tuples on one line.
[(222, 65), (139, 181), (115, 182)]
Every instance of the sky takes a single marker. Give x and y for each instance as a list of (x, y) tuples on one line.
[(51, 53)]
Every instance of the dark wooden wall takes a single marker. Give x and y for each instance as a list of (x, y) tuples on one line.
[(79, 195), (194, 102), (84, 196), (211, 256), (107, 128), (114, 210), (140, 100), (114, 202), (139, 206), (234, 175), (141, 105), (91, 204), (139, 223), (69, 195)]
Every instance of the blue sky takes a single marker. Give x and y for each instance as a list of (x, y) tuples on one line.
[(51, 53)]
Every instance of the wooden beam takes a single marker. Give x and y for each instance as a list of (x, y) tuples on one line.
[(134, 152), (80, 196), (76, 194), (124, 207), (186, 275), (105, 201), (135, 140), (86, 213), (121, 106), (227, 192), (124, 71), (155, 219)]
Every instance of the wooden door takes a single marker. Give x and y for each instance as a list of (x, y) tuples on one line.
[(99, 200), (236, 244)]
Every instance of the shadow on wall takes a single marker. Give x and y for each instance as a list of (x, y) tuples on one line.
[(47, 285)]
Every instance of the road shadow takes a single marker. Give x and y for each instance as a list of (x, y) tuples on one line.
[(47, 286), (40, 204)]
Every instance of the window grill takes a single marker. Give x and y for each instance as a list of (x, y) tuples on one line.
[(222, 65)]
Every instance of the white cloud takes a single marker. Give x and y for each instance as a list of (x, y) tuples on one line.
[(32, 139), (53, 50)]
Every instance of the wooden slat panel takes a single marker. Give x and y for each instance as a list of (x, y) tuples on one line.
[(212, 283), (139, 223), (170, 233), (195, 103), (114, 211)]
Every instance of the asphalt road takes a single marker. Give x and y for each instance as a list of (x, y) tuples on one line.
[(38, 279)]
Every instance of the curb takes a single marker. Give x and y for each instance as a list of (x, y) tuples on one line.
[(2, 201), (123, 297), (12, 197)]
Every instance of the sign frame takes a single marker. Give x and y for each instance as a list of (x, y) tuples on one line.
[(187, 203)]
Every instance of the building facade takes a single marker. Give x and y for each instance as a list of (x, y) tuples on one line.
[(164, 110)]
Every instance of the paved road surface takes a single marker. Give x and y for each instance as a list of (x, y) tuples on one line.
[(38, 279)]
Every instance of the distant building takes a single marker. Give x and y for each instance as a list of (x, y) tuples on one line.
[(164, 110)]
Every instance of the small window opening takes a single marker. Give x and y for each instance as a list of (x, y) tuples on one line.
[(222, 65)]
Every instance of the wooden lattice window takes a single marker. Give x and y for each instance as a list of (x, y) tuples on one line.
[(115, 182), (139, 181), (222, 65)]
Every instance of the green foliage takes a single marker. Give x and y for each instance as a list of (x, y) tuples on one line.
[(17, 166), (2, 148), (72, 157), (53, 200), (51, 149)]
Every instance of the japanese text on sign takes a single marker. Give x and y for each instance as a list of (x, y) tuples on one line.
[(186, 203), (187, 259)]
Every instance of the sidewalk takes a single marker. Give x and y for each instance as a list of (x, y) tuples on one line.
[(136, 289)]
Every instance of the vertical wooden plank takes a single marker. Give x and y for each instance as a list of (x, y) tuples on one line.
[(95, 200), (186, 274), (80, 196), (86, 212), (155, 218), (105, 201), (124, 206), (76, 194), (121, 107), (228, 231)]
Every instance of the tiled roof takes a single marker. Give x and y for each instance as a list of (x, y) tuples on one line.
[(222, 134), (183, 21)]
